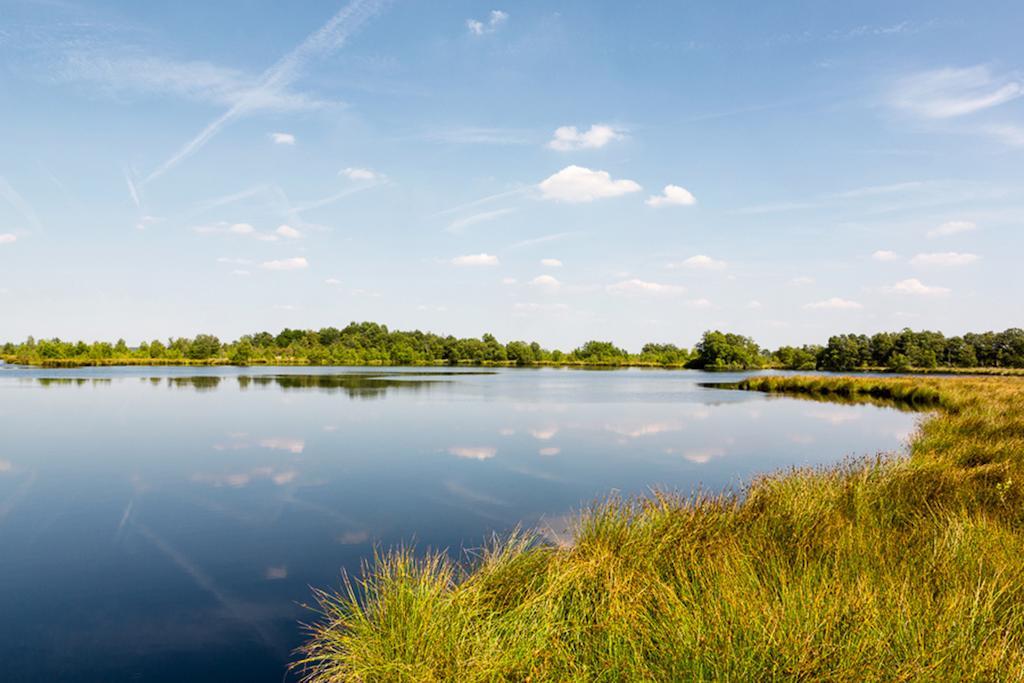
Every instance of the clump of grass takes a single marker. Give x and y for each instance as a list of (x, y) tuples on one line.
[(878, 569)]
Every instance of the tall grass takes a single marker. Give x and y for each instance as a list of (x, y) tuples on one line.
[(895, 569)]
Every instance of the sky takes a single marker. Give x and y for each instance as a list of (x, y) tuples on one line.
[(541, 170)]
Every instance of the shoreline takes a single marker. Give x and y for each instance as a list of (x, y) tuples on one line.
[(881, 568)]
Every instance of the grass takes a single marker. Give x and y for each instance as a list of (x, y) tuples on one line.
[(888, 568)]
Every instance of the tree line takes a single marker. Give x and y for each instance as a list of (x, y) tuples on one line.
[(370, 343)]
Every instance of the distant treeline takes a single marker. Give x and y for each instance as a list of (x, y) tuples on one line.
[(373, 344)]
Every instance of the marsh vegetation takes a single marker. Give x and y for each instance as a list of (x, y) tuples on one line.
[(883, 568)]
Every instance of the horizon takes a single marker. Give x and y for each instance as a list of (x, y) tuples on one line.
[(557, 174)]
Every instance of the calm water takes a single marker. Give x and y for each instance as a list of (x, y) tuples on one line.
[(163, 524)]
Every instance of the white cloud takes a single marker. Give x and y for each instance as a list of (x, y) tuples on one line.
[(637, 286), (495, 19), (952, 228), (474, 453), (275, 573), (948, 93), (700, 262), (699, 303), (296, 263), (544, 433), (359, 173), (288, 231), (241, 229), (703, 455), (884, 255), (545, 281), (332, 281), (8, 238), (915, 286), (550, 451), (508, 281), (282, 138), (568, 138), (551, 262), (475, 260), (835, 304), (240, 272), (578, 184), (284, 444), (672, 195), (947, 258), (802, 281), (754, 303)]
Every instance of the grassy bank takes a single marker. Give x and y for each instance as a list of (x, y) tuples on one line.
[(888, 568)]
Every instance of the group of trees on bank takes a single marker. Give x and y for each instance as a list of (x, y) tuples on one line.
[(373, 344)]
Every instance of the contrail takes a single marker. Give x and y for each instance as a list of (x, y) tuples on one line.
[(328, 38), (236, 608), (18, 202), (132, 190), (335, 197), (482, 200)]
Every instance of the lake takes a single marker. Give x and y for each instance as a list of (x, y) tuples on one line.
[(166, 524)]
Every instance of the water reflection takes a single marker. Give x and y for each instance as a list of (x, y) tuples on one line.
[(198, 517)]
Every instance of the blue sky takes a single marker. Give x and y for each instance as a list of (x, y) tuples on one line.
[(555, 171)]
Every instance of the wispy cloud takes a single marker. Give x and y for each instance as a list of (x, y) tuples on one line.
[(473, 452), (281, 75), (295, 263), (953, 92), (569, 139), (332, 198), (637, 286), (576, 184), (952, 228), (543, 239), (359, 173), (282, 138), (915, 286), (240, 230), (699, 262), (8, 193), (483, 200), (480, 135), (1007, 134), (475, 218), (288, 232), (479, 27), (551, 263), (885, 255), (546, 282), (523, 308), (947, 258), (834, 304), (8, 238), (128, 72)]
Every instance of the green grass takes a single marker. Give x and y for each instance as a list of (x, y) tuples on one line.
[(882, 569)]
